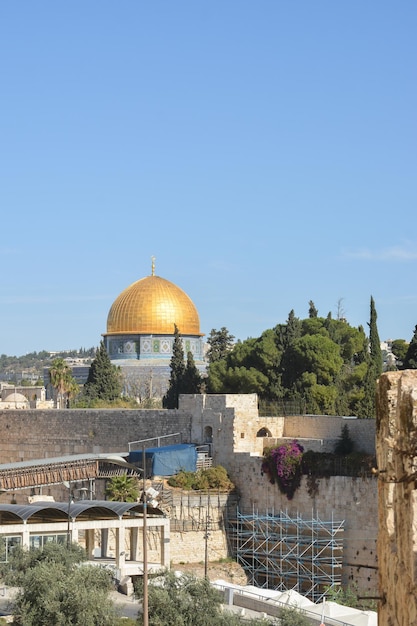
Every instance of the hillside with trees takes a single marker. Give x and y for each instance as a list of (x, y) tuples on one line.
[(316, 365), (28, 368)]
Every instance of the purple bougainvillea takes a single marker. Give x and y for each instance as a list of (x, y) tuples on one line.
[(283, 466)]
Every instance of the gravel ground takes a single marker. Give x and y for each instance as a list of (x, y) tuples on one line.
[(229, 571)]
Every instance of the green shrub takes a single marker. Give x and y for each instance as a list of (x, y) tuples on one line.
[(202, 480), (182, 480), (292, 617)]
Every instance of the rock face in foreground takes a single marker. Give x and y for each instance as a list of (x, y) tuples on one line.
[(396, 448)]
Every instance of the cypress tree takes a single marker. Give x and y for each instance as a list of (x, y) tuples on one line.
[(104, 378), (291, 332), (410, 361), (170, 399), (374, 342), (312, 311), (191, 382), (374, 358)]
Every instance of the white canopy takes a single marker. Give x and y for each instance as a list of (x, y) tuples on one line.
[(364, 618), (333, 609), (293, 598)]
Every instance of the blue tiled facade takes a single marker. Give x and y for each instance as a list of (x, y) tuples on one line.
[(147, 347)]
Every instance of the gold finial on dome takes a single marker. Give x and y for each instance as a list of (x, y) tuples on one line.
[(153, 265)]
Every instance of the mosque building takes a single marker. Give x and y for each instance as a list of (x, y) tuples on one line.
[(140, 333)]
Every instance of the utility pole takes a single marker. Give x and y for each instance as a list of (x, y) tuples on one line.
[(145, 547), (206, 536)]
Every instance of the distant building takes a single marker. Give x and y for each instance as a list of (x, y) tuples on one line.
[(389, 360), (25, 397), (79, 370)]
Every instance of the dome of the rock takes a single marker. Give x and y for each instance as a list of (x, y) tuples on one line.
[(153, 306), (140, 333)]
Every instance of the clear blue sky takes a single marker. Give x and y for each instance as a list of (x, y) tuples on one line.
[(264, 152)]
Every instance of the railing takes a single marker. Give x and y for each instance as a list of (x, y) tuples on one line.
[(204, 457), (252, 601)]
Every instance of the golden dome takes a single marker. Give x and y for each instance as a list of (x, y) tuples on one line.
[(151, 306)]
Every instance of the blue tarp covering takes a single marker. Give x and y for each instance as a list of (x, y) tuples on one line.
[(167, 460)]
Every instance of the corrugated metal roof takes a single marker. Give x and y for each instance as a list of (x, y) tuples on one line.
[(54, 470), (112, 457)]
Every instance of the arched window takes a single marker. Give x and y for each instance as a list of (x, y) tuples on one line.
[(208, 434), (264, 432)]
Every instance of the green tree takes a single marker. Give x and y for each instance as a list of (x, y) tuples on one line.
[(318, 364), (177, 365), (192, 380), (22, 560), (312, 311), (104, 380), (54, 589), (220, 342), (186, 601), (292, 617), (123, 488), (62, 380), (410, 360), (399, 349), (345, 444), (374, 342), (367, 407)]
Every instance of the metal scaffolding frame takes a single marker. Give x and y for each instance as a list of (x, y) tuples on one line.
[(279, 551)]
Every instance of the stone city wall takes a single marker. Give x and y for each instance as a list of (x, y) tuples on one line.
[(37, 434), (341, 498), (231, 423), (327, 429)]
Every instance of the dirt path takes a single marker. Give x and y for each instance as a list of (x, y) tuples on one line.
[(229, 571)]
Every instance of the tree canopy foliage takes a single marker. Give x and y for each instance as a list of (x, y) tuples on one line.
[(55, 588), (104, 380), (220, 343), (410, 359), (187, 601), (185, 377), (123, 488), (30, 366), (63, 381), (319, 363)]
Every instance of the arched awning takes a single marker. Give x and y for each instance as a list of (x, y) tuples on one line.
[(47, 512)]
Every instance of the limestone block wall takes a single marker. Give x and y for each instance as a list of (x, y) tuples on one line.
[(328, 428), (194, 514), (37, 434), (189, 547), (396, 447), (316, 445), (352, 500), (230, 422)]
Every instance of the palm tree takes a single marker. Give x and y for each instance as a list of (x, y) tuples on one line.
[(72, 388), (62, 379), (122, 488)]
